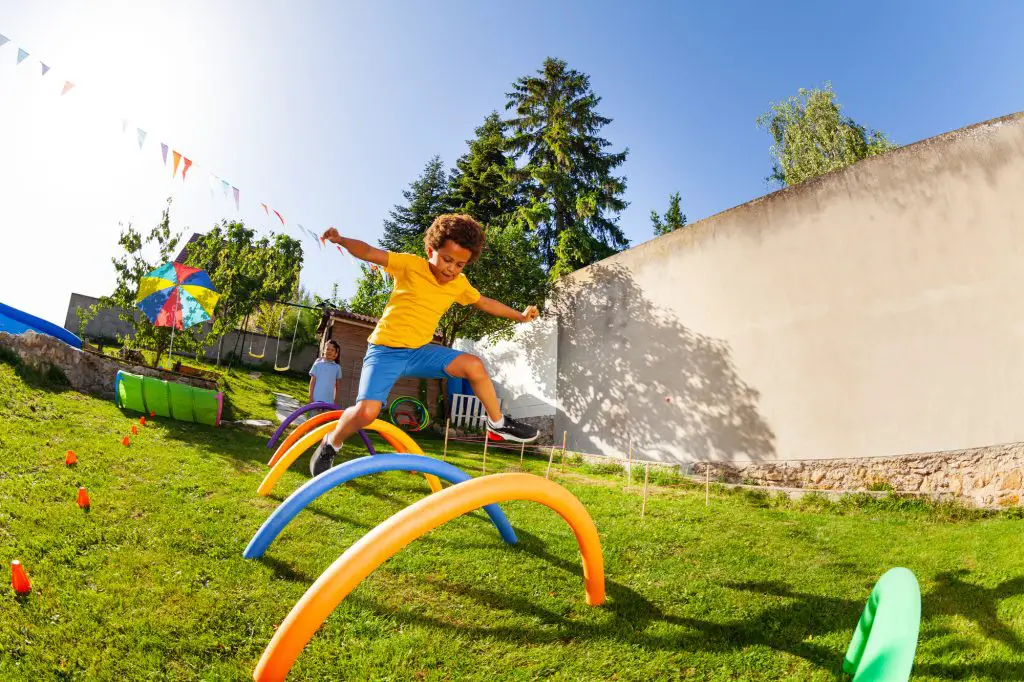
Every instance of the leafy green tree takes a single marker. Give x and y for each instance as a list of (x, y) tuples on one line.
[(372, 292), (811, 137), (246, 271), (510, 270), (427, 198), (674, 217), (130, 267), (574, 197)]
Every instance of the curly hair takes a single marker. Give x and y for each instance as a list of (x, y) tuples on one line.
[(459, 228)]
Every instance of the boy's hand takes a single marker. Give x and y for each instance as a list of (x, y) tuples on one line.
[(332, 235), (530, 313)]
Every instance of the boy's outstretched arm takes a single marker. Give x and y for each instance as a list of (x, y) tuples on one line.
[(357, 248), (499, 309)]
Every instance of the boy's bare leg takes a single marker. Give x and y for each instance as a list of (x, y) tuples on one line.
[(471, 367), (357, 417)]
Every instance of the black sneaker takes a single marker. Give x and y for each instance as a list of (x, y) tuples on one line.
[(322, 459), (514, 430)]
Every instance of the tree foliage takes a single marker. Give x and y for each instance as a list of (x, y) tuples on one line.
[(372, 292), (573, 195), (674, 218), (130, 267), (483, 184), (246, 271), (811, 137), (427, 198)]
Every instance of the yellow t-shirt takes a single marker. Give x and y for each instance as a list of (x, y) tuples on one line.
[(417, 302)]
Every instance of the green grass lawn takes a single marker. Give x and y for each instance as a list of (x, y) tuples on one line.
[(151, 583)]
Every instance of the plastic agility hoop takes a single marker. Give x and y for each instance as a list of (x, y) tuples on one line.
[(424, 420), (292, 417), (884, 643), (391, 433), (384, 541), (305, 427), (357, 468)]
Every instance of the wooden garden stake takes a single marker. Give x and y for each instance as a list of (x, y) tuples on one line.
[(522, 449), (444, 457), (647, 473), (551, 457), (485, 450), (562, 467), (707, 485), (629, 464)]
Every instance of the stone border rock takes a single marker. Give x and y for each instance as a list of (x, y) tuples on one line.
[(87, 371)]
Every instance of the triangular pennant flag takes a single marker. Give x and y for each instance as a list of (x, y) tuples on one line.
[(141, 135), (265, 209), (124, 125), (235, 190), (67, 86), (21, 55), (45, 68), (4, 40), (163, 150), (279, 217), (213, 183), (184, 169), (177, 160), (226, 186)]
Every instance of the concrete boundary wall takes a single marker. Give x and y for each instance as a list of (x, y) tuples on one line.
[(874, 312)]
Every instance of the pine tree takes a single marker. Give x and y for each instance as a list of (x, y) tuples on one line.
[(484, 181), (674, 217), (427, 198), (574, 197)]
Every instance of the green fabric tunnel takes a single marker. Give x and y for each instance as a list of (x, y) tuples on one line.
[(168, 399)]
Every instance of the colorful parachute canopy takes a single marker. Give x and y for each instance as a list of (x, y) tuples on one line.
[(175, 295)]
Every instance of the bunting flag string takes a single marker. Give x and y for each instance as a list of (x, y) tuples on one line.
[(178, 158)]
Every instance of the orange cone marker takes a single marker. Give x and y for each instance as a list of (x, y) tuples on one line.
[(125, 441), (19, 579), (135, 430), (142, 421), (70, 459), (83, 498), (152, 413)]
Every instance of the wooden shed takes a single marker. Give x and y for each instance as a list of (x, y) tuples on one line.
[(352, 332)]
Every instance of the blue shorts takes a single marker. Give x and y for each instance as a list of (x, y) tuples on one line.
[(383, 366)]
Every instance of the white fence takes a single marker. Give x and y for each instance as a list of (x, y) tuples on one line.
[(468, 411)]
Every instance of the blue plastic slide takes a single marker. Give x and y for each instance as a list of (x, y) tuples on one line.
[(14, 321)]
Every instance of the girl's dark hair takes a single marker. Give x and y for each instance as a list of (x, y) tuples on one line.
[(337, 349)]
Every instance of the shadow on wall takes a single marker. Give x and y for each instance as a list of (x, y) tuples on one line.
[(535, 342), (631, 372)]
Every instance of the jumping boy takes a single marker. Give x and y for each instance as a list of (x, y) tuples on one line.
[(400, 344)]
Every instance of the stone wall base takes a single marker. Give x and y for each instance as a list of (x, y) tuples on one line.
[(87, 372), (984, 477)]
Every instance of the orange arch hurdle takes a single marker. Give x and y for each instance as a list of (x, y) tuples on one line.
[(398, 439), (384, 541)]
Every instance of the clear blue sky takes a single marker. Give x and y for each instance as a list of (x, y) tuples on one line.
[(327, 110)]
